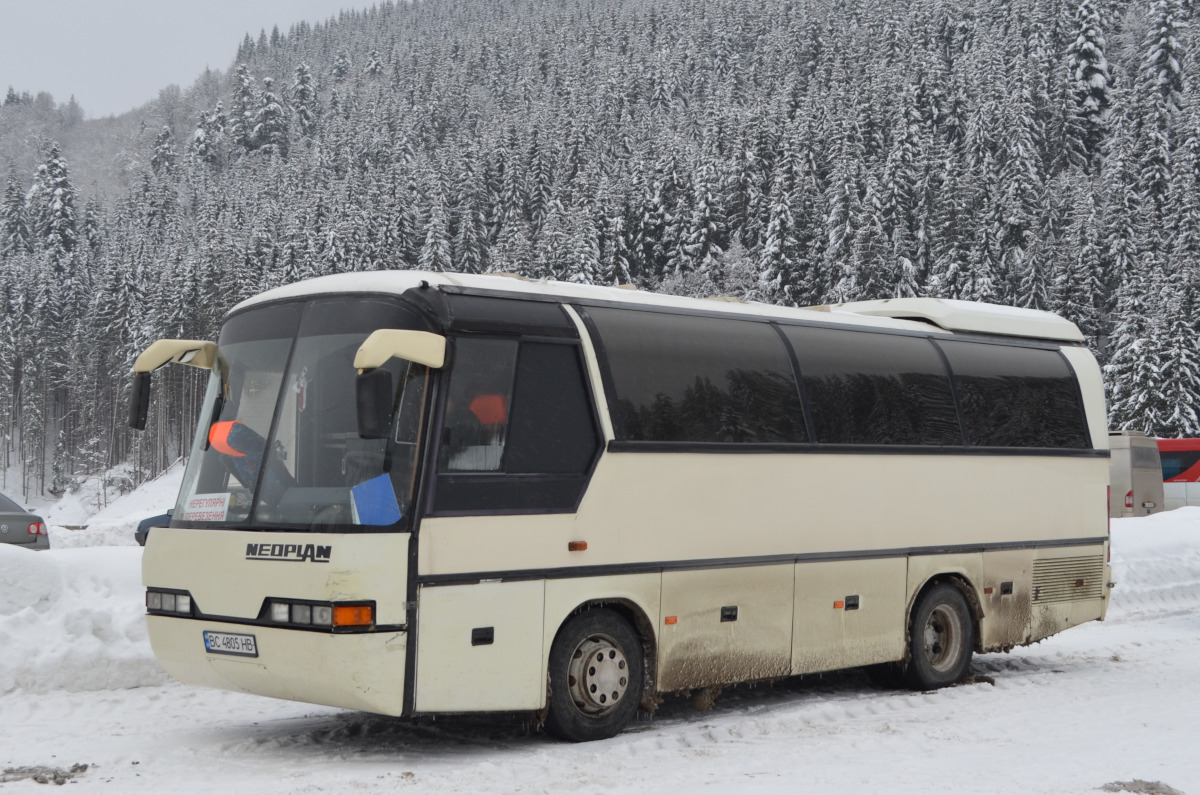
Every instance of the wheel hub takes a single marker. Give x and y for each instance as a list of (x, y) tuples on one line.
[(942, 633), (598, 675)]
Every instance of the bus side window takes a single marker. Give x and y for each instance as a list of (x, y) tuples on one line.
[(878, 389), (476, 419), (552, 427), (698, 379), (532, 444), (1014, 396)]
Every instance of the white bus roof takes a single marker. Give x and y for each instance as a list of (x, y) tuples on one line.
[(967, 316), (914, 314)]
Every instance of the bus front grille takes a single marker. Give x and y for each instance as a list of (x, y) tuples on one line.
[(1068, 579)]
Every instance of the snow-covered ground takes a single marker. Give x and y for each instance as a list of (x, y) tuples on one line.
[(1100, 707)]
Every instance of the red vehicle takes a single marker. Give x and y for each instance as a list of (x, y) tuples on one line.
[(1181, 471)]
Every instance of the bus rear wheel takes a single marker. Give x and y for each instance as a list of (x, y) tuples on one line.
[(940, 639), (596, 669)]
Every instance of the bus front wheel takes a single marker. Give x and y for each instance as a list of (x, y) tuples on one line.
[(596, 669), (940, 639)]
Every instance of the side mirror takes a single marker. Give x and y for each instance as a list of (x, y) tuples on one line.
[(373, 397), (194, 353), (139, 401), (421, 347)]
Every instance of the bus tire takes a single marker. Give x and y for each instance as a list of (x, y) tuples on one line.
[(940, 639), (596, 671)]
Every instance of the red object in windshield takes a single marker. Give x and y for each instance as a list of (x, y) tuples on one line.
[(218, 437)]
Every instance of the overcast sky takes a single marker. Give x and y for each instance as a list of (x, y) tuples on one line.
[(114, 55)]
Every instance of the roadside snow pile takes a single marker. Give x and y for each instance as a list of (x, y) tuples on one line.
[(1156, 564), (113, 525), (73, 620)]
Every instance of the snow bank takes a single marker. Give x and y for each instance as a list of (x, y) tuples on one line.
[(1156, 564), (73, 620), (114, 524)]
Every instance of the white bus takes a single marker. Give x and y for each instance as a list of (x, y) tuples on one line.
[(415, 493)]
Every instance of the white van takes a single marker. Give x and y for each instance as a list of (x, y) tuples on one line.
[(1135, 474)]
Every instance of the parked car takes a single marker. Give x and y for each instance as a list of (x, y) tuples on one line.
[(19, 526), (143, 528)]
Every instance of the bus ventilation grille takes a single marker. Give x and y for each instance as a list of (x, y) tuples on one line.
[(1068, 579)]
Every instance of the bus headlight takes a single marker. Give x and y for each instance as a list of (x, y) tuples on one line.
[(159, 600), (353, 616)]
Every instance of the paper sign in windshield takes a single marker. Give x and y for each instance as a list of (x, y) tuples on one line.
[(206, 507)]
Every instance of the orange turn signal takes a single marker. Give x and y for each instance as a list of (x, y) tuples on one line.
[(839, 605), (353, 615), (576, 546), (672, 619)]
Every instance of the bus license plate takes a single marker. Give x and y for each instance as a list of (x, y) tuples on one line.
[(228, 643)]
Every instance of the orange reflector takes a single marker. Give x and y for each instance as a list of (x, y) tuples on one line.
[(576, 546), (839, 605), (353, 615), (672, 619), (218, 437), (988, 591)]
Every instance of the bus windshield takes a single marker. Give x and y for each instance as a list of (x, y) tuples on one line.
[(277, 445)]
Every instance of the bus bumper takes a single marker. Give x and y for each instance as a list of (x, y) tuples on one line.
[(354, 671)]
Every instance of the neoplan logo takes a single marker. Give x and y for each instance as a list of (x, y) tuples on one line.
[(291, 553)]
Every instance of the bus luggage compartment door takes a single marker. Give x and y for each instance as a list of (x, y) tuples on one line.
[(720, 626), (479, 647), (848, 613)]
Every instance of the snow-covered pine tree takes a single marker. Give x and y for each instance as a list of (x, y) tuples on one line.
[(162, 160), (270, 132), (1160, 85), (435, 252), (1179, 360), (779, 271), (704, 237), (14, 232), (242, 110), (871, 253), (1078, 289), (1087, 66), (1133, 373), (304, 100)]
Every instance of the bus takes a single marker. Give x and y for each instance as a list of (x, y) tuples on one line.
[(1180, 460), (417, 493)]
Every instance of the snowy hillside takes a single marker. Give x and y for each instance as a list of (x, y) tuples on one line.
[(1110, 704), (1040, 154)]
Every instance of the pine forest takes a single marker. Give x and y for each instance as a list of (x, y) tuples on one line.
[(1036, 153)]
